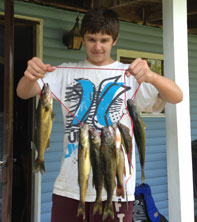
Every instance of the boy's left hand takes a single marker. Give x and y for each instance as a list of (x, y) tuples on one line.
[(140, 70)]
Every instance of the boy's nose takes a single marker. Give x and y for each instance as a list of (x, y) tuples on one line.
[(97, 45)]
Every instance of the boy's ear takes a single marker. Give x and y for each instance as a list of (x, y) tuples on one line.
[(114, 43)]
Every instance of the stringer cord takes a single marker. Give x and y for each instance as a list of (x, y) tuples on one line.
[(125, 103)]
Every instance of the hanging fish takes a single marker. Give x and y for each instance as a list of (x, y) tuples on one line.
[(43, 127), (108, 157), (98, 177), (120, 169), (84, 166), (126, 141), (139, 133)]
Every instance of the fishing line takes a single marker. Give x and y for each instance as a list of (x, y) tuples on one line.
[(95, 68)]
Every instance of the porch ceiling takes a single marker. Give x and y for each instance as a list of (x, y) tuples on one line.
[(146, 12)]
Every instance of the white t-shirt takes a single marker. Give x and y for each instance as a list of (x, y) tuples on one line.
[(95, 95)]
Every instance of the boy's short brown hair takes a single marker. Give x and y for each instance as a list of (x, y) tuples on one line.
[(100, 20)]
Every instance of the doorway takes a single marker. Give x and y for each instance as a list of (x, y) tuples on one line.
[(28, 34), (24, 49)]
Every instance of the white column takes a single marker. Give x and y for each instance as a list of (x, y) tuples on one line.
[(178, 134)]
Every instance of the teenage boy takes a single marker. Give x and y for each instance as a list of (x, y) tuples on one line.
[(94, 91)]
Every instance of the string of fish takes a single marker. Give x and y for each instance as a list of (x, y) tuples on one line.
[(117, 129)]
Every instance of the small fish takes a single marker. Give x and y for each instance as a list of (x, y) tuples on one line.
[(139, 134), (43, 127), (84, 166), (98, 177), (108, 157), (120, 169), (126, 141)]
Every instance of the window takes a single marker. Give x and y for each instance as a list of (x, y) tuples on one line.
[(155, 62)]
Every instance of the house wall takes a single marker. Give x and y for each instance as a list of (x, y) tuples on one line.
[(132, 37)]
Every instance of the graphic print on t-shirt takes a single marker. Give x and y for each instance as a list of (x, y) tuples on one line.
[(98, 106)]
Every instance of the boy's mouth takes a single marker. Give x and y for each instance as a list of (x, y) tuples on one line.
[(97, 52)]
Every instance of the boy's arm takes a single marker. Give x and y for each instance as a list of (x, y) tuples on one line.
[(28, 86), (168, 90)]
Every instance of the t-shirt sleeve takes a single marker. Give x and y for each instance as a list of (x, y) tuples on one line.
[(147, 99), (54, 79)]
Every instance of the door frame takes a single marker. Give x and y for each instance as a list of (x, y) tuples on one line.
[(36, 178)]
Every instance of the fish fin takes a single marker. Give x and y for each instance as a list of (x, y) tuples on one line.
[(46, 108), (108, 211), (48, 145), (52, 115), (33, 145), (120, 191), (142, 123), (122, 151), (97, 207), (124, 170), (93, 182), (123, 145), (39, 166), (81, 210)]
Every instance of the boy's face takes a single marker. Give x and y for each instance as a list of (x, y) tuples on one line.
[(98, 48)]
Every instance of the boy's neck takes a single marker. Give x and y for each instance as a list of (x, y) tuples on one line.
[(103, 63)]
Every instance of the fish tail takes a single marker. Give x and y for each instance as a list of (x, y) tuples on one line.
[(120, 191), (97, 207), (108, 211), (81, 209), (39, 166)]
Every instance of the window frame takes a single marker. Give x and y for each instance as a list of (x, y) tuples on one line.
[(131, 54)]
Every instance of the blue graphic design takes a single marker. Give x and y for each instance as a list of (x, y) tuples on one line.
[(71, 148), (85, 101), (95, 106), (105, 99)]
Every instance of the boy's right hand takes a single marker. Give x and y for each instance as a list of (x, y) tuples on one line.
[(36, 69)]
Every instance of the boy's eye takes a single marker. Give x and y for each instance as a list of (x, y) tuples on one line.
[(91, 40), (104, 40)]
